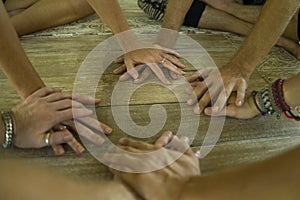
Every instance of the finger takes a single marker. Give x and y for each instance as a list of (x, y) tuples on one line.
[(167, 64), (131, 70), (229, 111), (222, 95), (120, 69), (164, 139), (193, 77), (168, 51), (88, 134), (145, 74), (159, 74), (45, 91), (120, 60), (173, 75), (178, 145), (95, 124), (199, 91), (174, 61), (57, 96), (65, 103), (136, 144), (241, 92), (76, 146), (64, 115), (64, 136), (204, 101), (126, 76), (58, 149), (85, 99)]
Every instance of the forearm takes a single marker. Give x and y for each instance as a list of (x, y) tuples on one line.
[(13, 60), (277, 178), (111, 13), (291, 91), (2, 131), (29, 182), (175, 13), (172, 22), (273, 20)]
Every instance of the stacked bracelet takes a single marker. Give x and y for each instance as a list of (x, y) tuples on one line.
[(271, 100), (9, 129), (289, 112), (265, 102)]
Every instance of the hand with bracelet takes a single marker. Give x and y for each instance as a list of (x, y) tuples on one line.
[(28, 124), (281, 98)]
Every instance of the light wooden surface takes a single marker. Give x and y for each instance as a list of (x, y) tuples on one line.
[(57, 54)]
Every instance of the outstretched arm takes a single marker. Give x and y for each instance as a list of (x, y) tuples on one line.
[(273, 20), (13, 60), (277, 178), (31, 182)]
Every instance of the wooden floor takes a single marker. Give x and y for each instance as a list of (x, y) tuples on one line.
[(58, 53)]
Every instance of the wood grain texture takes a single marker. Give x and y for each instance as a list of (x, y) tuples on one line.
[(58, 53)]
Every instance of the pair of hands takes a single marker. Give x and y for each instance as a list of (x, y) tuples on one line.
[(141, 63), (212, 86), (165, 183), (48, 109)]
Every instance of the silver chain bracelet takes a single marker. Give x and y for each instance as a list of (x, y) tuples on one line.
[(9, 129)]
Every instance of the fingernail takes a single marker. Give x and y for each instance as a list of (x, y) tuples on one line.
[(197, 110), (239, 103), (137, 81), (61, 152), (80, 149), (198, 154), (207, 111), (215, 109), (123, 141), (123, 77), (166, 82), (190, 102), (68, 138), (100, 140), (108, 130), (185, 139)]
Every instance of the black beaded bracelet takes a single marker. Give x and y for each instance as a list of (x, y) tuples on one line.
[(9, 129)]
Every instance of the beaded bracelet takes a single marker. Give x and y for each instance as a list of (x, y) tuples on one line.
[(9, 129), (289, 112), (271, 100)]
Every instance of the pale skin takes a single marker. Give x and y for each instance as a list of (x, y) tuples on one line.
[(136, 54), (249, 110), (28, 16), (236, 73), (50, 107), (276, 178), (27, 177), (17, 67)]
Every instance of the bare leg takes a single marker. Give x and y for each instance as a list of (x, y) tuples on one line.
[(219, 20), (246, 13), (43, 14)]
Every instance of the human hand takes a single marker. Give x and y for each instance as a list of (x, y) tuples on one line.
[(41, 112), (214, 86), (147, 61), (149, 185), (247, 111)]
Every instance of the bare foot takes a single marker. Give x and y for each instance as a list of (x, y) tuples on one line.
[(289, 45)]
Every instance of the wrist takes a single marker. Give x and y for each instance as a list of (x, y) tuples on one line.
[(128, 41), (253, 103), (245, 69)]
